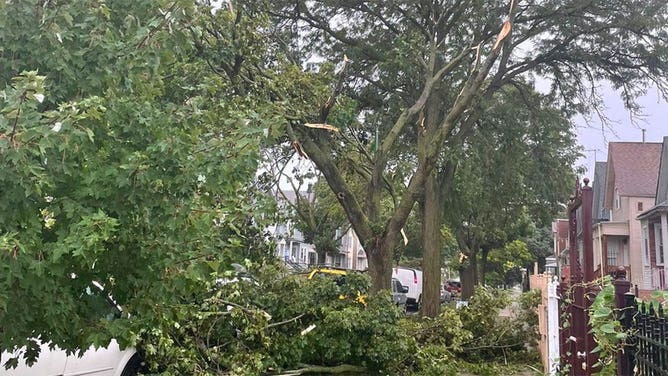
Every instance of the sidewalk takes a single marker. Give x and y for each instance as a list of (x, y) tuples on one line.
[(515, 293)]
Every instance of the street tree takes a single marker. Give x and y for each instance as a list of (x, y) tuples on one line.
[(316, 215), (513, 171), (541, 244), (420, 71), (507, 263), (127, 163)]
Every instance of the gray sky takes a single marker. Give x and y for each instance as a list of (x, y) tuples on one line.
[(594, 137)]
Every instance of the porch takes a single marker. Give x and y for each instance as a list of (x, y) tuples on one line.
[(611, 248), (654, 224)]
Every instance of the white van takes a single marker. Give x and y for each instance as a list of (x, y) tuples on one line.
[(411, 278)]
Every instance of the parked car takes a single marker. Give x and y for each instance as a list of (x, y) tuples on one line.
[(446, 296), (455, 287), (399, 293), (107, 361), (411, 278)]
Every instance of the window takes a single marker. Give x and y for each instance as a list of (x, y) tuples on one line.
[(640, 206), (612, 253), (658, 242), (618, 200), (338, 237)]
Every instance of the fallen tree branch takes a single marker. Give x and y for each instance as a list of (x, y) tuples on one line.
[(343, 368), (284, 322)]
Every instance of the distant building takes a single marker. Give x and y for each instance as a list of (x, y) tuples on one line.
[(629, 215), (300, 255)]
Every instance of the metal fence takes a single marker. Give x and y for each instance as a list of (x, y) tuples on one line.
[(650, 327), (646, 351)]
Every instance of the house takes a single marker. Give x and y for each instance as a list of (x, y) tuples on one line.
[(654, 229), (625, 187), (299, 255), (352, 251), (292, 248)]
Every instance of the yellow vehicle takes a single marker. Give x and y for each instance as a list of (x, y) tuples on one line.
[(340, 279), (326, 271)]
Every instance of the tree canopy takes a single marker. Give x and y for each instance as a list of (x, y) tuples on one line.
[(127, 163), (422, 74), (131, 134)]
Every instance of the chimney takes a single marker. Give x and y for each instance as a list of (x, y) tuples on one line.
[(643, 135)]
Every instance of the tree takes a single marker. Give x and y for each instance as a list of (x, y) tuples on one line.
[(420, 71), (541, 245), (506, 263), (514, 170), (126, 162), (315, 215)]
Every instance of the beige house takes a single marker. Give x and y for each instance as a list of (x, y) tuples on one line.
[(654, 227), (622, 191)]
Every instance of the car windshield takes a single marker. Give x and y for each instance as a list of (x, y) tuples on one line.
[(97, 301)]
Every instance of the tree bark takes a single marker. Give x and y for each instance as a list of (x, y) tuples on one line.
[(431, 261), (380, 265), (469, 275), (483, 264)]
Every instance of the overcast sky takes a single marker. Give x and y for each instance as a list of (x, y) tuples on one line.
[(595, 138)]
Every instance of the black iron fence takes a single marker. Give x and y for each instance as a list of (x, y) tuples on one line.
[(651, 327), (646, 351)]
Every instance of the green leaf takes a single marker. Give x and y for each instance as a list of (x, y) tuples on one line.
[(608, 328)]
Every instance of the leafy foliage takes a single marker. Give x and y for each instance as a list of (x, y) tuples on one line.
[(473, 337), (125, 177), (277, 320), (504, 265)]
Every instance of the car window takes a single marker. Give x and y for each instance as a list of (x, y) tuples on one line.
[(396, 285)]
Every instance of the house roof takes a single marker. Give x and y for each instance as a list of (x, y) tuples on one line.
[(633, 169), (662, 185), (600, 176), (659, 208)]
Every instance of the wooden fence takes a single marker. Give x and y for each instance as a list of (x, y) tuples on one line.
[(548, 321)]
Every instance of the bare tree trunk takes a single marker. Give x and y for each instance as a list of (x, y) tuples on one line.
[(431, 261)]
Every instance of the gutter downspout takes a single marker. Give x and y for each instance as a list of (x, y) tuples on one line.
[(600, 250), (664, 237)]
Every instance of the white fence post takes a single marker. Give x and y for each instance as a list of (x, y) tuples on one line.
[(553, 326)]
